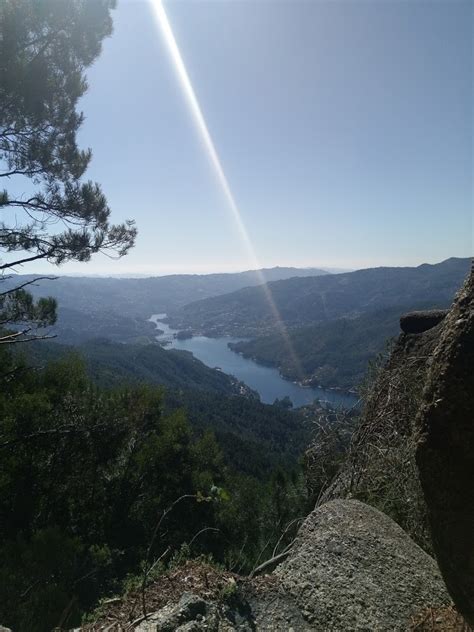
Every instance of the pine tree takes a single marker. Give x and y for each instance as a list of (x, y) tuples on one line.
[(45, 47)]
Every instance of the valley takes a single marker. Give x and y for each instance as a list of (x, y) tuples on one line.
[(331, 325), (266, 381)]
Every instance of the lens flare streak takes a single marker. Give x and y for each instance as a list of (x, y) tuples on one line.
[(204, 134)]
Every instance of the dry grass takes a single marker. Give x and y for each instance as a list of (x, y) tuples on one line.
[(380, 467), (445, 619), (121, 614)]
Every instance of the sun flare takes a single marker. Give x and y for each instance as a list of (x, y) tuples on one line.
[(211, 151)]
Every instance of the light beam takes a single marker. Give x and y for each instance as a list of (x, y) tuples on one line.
[(213, 156)]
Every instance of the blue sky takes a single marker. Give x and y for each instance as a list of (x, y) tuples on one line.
[(344, 129)]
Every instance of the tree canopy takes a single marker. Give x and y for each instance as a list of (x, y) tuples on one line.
[(48, 211), (87, 474)]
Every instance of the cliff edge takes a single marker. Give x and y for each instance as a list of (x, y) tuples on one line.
[(445, 452)]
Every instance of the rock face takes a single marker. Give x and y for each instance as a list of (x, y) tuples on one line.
[(445, 454), (418, 322), (383, 447), (350, 568), (353, 568)]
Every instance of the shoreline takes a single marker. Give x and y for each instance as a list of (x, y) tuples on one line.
[(339, 389), (332, 395)]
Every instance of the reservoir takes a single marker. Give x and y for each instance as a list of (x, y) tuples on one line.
[(267, 381)]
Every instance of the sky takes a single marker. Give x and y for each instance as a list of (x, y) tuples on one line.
[(344, 129)]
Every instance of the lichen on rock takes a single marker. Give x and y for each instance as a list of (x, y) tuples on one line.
[(353, 568)]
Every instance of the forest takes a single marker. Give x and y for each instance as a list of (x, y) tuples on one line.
[(87, 473)]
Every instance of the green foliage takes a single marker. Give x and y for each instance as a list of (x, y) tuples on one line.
[(112, 364), (39, 570), (18, 308), (45, 48), (229, 592), (333, 354), (255, 438), (87, 474)]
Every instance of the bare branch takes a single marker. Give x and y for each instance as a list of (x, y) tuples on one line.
[(31, 282), (16, 337), (12, 264), (146, 570)]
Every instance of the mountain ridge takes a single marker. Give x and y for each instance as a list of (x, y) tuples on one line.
[(303, 301)]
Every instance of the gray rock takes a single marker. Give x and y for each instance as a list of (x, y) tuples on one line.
[(353, 568), (418, 322), (350, 568), (194, 614), (275, 609), (381, 464), (445, 454), (190, 614)]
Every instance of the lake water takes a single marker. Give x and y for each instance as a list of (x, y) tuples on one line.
[(266, 381)]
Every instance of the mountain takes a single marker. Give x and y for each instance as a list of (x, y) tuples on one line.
[(298, 302), (77, 326), (330, 354), (254, 437), (119, 308), (110, 364), (144, 297)]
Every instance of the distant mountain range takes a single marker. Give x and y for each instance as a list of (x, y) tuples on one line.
[(118, 308), (298, 302), (335, 322)]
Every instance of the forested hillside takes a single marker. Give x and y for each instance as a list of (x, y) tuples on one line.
[(307, 301), (112, 364), (87, 472), (255, 437), (332, 354)]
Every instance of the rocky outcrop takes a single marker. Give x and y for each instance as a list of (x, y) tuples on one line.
[(353, 568), (194, 614), (380, 466), (445, 453), (418, 322), (350, 568)]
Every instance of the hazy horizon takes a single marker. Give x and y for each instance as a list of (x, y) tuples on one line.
[(81, 272)]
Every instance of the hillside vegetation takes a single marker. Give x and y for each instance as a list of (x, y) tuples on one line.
[(333, 354), (111, 364), (311, 300), (254, 437), (88, 475)]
